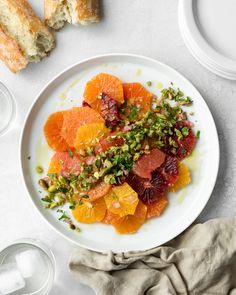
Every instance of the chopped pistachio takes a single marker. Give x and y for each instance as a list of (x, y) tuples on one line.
[(39, 169), (198, 134), (149, 83), (52, 188), (43, 184)]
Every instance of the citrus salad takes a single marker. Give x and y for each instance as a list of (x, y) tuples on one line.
[(119, 154)]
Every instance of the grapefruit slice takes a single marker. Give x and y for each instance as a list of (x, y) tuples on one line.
[(148, 163), (63, 162), (108, 141), (98, 191)]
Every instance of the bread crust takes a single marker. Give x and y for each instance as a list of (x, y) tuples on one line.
[(28, 25), (77, 12), (50, 8), (87, 11), (26, 14), (10, 52)]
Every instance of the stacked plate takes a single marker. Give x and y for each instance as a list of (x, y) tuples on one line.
[(208, 29)]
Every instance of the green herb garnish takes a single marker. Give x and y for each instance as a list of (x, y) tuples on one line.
[(185, 131), (70, 153), (133, 112)]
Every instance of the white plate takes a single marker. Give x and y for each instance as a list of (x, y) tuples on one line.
[(208, 27), (184, 207)]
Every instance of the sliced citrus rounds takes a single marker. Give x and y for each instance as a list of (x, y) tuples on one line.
[(156, 208), (76, 117), (52, 132), (98, 191), (88, 135), (148, 163), (122, 200), (106, 83), (137, 95), (130, 223), (183, 179), (90, 212), (64, 162)]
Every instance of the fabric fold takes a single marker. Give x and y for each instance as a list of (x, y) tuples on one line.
[(202, 260)]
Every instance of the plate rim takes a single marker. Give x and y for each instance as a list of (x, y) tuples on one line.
[(38, 95), (209, 57)]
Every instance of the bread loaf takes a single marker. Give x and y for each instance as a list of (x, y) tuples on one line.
[(11, 53), (76, 12), (22, 25)]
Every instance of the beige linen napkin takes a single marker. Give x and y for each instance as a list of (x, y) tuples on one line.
[(202, 260)]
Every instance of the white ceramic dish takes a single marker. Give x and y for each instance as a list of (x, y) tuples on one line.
[(207, 27), (65, 91)]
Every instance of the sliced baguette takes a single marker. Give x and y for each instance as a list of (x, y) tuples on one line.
[(22, 24), (58, 12), (84, 12), (11, 53)]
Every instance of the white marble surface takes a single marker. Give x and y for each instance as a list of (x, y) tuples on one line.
[(134, 26)]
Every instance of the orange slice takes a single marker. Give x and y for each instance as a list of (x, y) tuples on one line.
[(90, 212), (131, 223), (183, 179), (106, 83), (137, 95), (109, 217), (63, 161), (76, 117), (88, 135), (156, 208), (52, 132), (122, 200)]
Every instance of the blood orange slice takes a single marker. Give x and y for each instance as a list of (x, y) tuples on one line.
[(148, 190), (52, 132), (109, 111), (188, 142), (170, 170)]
